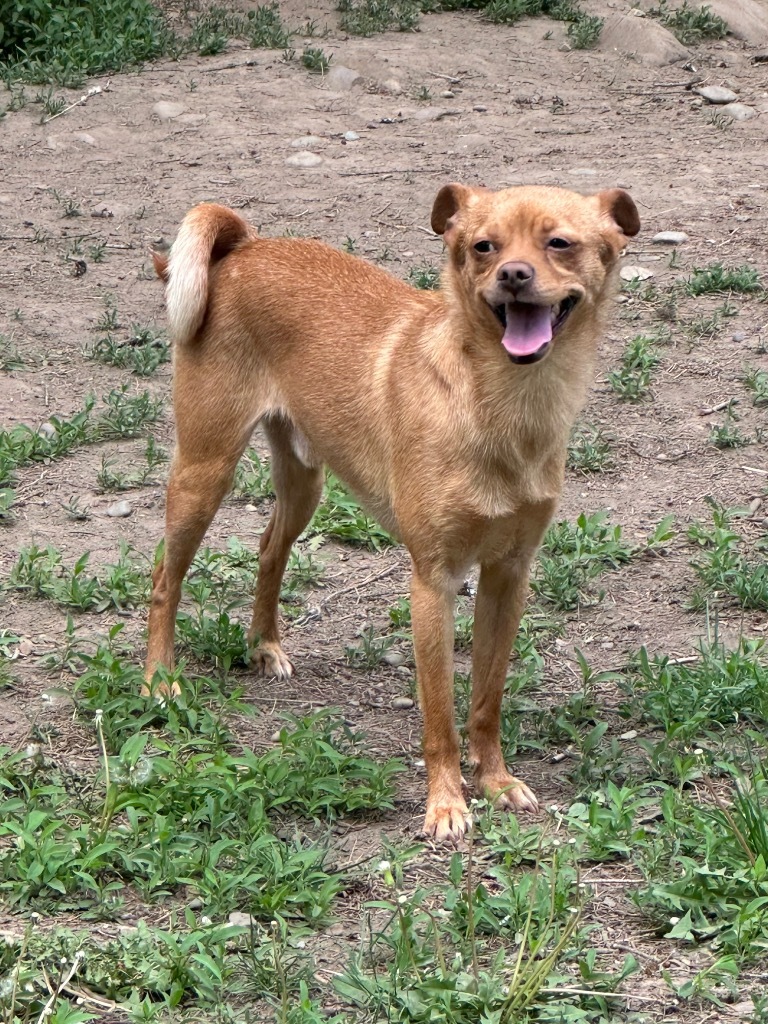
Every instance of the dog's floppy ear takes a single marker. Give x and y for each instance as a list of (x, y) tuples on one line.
[(619, 206), (448, 202)]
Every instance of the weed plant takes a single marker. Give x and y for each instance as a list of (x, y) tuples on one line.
[(575, 553), (716, 278), (589, 450), (40, 573), (341, 517), (632, 381), (142, 353), (691, 25), (723, 568), (756, 381)]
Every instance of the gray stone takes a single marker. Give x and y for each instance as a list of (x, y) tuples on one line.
[(241, 920), (649, 41), (310, 142), (479, 108), (391, 87), (47, 430), (739, 336), (304, 159), (166, 110), (120, 509), (738, 111), (746, 19), (341, 79), (402, 703), (670, 237), (393, 658), (351, 136), (447, 94), (716, 94), (635, 273)]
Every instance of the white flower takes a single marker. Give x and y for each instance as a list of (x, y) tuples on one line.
[(674, 920), (383, 866), (205, 921)]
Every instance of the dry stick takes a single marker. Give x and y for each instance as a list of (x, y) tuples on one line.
[(753, 469), (719, 407), (228, 67), (361, 583), (93, 91)]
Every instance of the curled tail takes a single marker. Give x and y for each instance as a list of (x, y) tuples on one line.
[(208, 233)]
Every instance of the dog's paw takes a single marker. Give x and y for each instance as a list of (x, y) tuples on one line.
[(270, 659), (161, 691), (447, 822), (508, 793)]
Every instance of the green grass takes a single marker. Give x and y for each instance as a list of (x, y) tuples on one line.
[(691, 24), (632, 380), (123, 415), (44, 42), (142, 352), (341, 517), (725, 566), (589, 450), (716, 278), (572, 555), (56, 43), (756, 382)]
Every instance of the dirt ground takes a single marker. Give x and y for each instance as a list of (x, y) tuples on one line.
[(523, 109)]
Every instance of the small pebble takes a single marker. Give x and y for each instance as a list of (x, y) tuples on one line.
[(47, 430), (120, 509), (628, 735), (195, 904), (738, 111), (342, 79), (351, 136), (716, 94), (307, 142), (447, 94), (391, 86), (739, 336), (241, 920), (635, 273), (479, 108), (166, 110), (671, 237), (402, 703), (393, 658), (304, 159), (275, 737)]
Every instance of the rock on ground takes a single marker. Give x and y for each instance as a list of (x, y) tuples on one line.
[(647, 39), (746, 19)]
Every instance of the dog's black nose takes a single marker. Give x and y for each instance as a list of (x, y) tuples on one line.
[(515, 275)]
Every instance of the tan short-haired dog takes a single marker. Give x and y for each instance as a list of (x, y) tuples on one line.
[(447, 412)]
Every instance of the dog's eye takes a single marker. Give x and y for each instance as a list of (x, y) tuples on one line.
[(484, 245), (559, 243)]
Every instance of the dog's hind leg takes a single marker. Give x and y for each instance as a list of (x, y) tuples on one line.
[(298, 487), (208, 448)]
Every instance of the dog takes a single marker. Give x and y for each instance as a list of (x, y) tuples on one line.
[(447, 412)]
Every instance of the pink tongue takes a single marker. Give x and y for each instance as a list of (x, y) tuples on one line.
[(528, 328)]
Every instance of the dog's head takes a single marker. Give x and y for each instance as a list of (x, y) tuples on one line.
[(529, 261)]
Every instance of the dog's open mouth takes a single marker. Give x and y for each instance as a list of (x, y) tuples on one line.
[(528, 329)]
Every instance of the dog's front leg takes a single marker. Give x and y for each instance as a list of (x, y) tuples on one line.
[(499, 606), (432, 602)]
